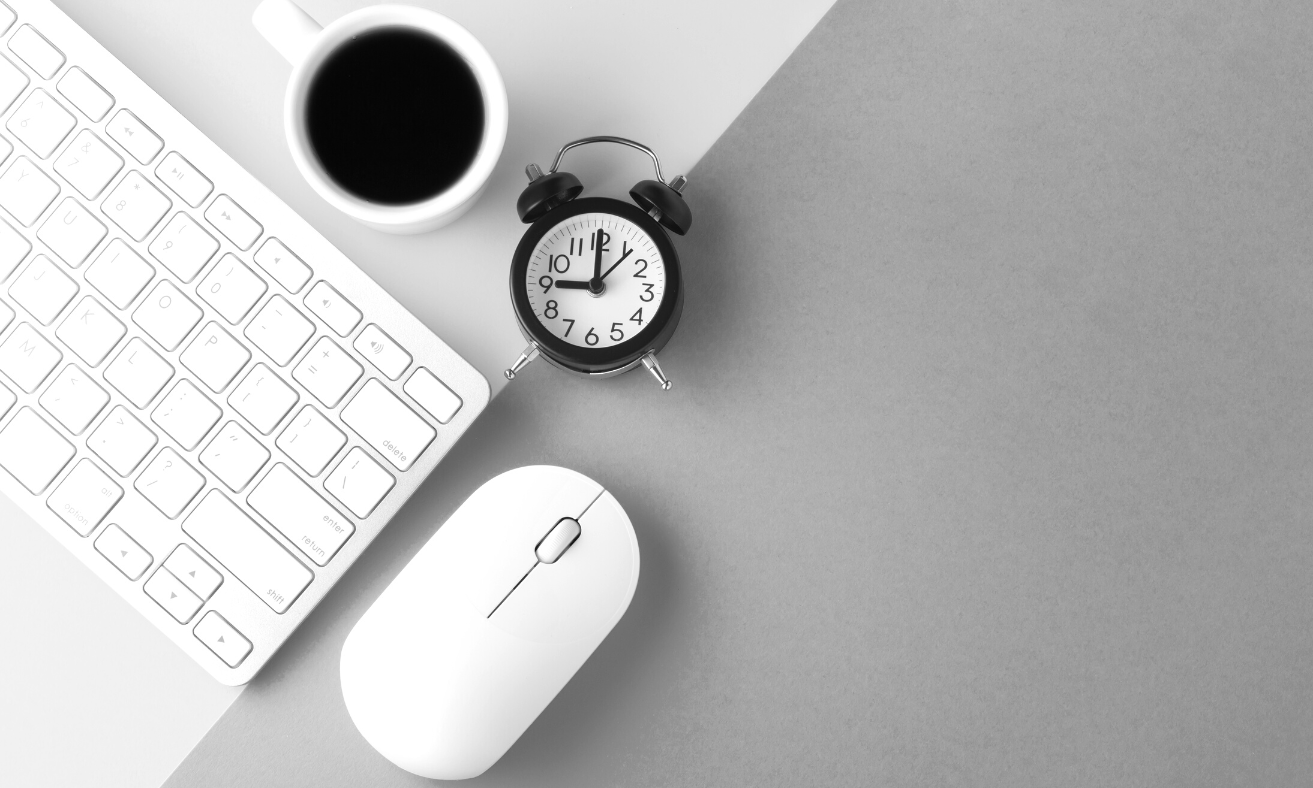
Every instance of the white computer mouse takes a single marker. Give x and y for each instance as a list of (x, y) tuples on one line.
[(488, 622)]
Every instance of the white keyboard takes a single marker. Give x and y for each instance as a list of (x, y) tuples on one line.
[(199, 396)]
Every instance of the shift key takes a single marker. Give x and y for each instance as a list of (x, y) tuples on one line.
[(247, 551), (390, 427)]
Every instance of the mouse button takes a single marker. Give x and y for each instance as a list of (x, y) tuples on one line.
[(584, 592)]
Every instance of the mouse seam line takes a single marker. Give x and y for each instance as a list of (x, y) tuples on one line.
[(590, 503)]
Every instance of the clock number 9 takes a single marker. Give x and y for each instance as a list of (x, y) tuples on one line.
[(551, 311), (560, 264), (545, 282)]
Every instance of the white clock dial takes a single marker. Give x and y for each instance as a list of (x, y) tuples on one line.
[(567, 265)]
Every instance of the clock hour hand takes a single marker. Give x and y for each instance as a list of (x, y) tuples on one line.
[(617, 262), (570, 285)]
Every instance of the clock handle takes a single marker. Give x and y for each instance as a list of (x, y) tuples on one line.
[(529, 354), (650, 362)]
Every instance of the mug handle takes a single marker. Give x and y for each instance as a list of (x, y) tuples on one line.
[(290, 30)]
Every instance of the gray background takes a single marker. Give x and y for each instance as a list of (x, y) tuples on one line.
[(988, 457)]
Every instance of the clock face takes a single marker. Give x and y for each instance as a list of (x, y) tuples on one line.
[(595, 280)]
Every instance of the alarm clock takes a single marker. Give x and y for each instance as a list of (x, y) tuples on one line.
[(595, 281)]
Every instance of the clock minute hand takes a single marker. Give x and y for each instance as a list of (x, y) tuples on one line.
[(617, 262), (600, 239)]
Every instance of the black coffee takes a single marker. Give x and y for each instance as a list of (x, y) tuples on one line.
[(395, 116)]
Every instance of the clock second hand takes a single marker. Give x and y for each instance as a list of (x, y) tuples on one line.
[(617, 262)]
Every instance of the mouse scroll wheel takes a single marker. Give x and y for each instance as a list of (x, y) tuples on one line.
[(558, 540)]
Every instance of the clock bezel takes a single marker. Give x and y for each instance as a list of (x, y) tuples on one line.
[(598, 360)]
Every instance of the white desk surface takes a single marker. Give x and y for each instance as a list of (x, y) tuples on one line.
[(96, 697)]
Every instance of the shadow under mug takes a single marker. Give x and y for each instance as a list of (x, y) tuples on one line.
[(306, 46)]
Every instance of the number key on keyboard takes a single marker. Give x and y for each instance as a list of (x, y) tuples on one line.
[(71, 232), (27, 358), (119, 273), (167, 315), (263, 398), (184, 247), (388, 425), (91, 331), (215, 357), (41, 123), (279, 262), (26, 191), (36, 51), (33, 451), (279, 330), (74, 399), (234, 456), (359, 482), (135, 205), (138, 373), (231, 288), (43, 290), (85, 93), (185, 180), (88, 164), (311, 440), (327, 372), (121, 441), (186, 414), (169, 483), (136, 137), (84, 497), (235, 223)]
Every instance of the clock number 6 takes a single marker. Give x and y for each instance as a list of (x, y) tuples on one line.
[(591, 337)]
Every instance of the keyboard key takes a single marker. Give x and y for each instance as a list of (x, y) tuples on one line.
[(135, 205), (91, 331), (234, 456), (199, 577), (388, 425), (186, 414), (27, 358), (71, 232), (85, 93), (382, 351), (43, 290), (167, 315), (219, 636), (172, 595), (6, 315), (235, 224), (74, 399), (215, 357), (231, 288), (13, 248), (7, 17), (26, 191), (185, 180), (33, 451), (7, 400), (84, 497), (286, 268), (327, 372), (184, 247), (244, 549), (262, 398), (123, 552), (169, 483), (121, 441), (12, 83), (88, 164), (41, 123), (136, 137), (311, 441), (138, 373), (300, 514), (359, 482), (33, 49), (279, 330), (119, 274), (433, 395), (340, 314)]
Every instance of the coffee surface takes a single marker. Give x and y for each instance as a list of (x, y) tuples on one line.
[(395, 116)]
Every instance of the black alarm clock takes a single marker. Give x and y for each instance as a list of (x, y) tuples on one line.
[(595, 282)]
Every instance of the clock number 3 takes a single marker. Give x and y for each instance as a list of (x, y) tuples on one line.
[(647, 295)]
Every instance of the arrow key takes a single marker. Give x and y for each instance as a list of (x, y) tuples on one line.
[(226, 643), (198, 576), (172, 595), (123, 552)]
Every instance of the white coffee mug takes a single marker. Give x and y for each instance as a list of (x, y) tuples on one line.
[(306, 45)]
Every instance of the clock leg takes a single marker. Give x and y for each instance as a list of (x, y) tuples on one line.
[(650, 362), (529, 354)]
